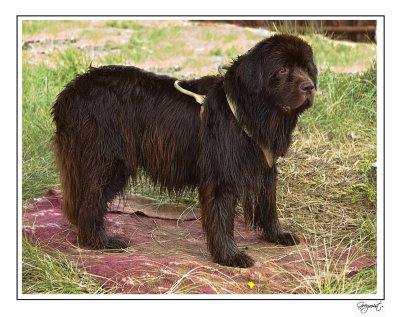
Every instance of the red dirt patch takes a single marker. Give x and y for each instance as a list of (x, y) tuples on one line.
[(170, 256)]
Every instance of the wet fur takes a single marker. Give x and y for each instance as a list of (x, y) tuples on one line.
[(113, 121)]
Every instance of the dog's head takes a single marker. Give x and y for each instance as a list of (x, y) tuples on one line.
[(279, 72)]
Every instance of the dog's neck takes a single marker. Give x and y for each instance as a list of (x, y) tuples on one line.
[(268, 154), (275, 137), (269, 157)]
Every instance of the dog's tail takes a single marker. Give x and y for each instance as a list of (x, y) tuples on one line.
[(65, 153)]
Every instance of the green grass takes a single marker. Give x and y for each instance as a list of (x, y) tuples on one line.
[(53, 274), (346, 105), (334, 144), (328, 53), (124, 25), (90, 34), (32, 27), (328, 281), (216, 52), (364, 282), (40, 85), (230, 38), (337, 53)]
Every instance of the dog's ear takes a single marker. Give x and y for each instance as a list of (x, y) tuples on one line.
[(250, 73)]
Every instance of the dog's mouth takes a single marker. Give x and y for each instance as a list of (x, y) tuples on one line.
[(307, 102), (304, 101)]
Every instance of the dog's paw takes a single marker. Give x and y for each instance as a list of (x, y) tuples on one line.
[(287, 238), (283, 237), (239, 259), (115, 243), (103, 241)]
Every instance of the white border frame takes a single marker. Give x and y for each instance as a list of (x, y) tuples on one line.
[(380, 154)]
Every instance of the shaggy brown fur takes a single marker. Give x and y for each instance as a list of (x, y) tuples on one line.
[(113, 121)]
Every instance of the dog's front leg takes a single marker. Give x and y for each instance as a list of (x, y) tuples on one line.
[(265, 216), (218, 214)]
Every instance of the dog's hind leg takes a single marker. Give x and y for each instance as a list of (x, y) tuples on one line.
[(218, 213), (98, 191)]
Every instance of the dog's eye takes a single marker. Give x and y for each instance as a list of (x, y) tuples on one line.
[(283, 70)]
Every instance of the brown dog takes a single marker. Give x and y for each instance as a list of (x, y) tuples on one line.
[(114, 120)]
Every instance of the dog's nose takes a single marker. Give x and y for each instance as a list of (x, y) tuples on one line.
[(307, 86)]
